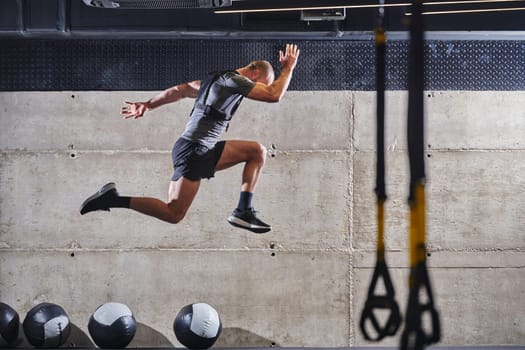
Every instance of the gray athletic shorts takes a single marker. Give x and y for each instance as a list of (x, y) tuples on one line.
[(195, 161)]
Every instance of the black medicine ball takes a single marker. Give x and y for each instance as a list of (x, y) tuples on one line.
[(197, 326), (112, 325), (47, 326), (9, 324)]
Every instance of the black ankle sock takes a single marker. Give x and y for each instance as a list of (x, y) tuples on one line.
[(120, 202), (245, 200)]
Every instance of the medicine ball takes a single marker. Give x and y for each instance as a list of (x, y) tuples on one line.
[(9, 324), (197, 326), (112, 325), (47, 326)]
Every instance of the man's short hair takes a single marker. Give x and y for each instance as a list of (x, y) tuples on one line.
[(263, 66)]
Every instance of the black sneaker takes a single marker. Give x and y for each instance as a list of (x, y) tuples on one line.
[(100, 200), (246, 219)]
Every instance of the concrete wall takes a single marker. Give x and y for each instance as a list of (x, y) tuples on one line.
[(303, 284)]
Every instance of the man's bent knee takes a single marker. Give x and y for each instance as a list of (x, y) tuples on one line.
[(175, 218), (260, 152), (175, 215)]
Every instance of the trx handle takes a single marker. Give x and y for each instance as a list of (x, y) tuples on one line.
[(380, 302), (386, 301), (415, 335), (377, 302)]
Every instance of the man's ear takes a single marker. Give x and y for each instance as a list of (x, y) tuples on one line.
[(256, 74)]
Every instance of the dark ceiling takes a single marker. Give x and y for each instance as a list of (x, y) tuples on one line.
[(72, 17)]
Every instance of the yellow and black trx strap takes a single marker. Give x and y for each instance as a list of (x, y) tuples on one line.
[(417, 334), (375, 301)]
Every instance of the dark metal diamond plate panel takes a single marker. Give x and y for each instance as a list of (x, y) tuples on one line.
[(90, 64), (476, 65)]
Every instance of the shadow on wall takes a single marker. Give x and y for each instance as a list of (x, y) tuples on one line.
[(144, 337), (236, 337), (149, 337), (79, 339), (230, 337)]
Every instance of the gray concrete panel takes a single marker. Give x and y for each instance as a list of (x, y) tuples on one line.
[(313, 120), (468, 259), (43, 121), (298, 299), (92, 121), (316, 190), (490, 120), (304, 196), (477, 306), (472, 200)]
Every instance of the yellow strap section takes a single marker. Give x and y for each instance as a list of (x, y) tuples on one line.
[(380, 36), (380, 231), (417, 226)]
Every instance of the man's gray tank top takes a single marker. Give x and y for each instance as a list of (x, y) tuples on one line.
[(217, 101)]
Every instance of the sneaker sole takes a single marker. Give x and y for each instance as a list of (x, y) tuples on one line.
[(105, 189), (235, 221)]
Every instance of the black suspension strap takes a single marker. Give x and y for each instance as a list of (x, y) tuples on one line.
[(376, 302), (417, 334)]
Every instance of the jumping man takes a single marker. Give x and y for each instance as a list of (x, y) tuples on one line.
[(197, 154)]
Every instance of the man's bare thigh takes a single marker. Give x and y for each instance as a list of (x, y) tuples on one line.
[(235, 152)]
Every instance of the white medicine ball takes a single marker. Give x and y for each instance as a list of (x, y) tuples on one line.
[(112, 325), (197, 326)]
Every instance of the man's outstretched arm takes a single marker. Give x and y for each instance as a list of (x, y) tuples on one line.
[(275, 91), (173, 94)]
